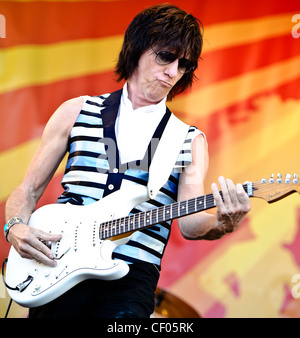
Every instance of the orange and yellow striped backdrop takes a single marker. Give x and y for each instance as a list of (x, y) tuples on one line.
[(246, 100)]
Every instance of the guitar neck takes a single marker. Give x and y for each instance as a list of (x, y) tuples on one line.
[(161, 214)]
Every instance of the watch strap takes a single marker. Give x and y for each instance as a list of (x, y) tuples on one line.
[(12, 221)]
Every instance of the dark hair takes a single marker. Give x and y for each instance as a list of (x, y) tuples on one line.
[(162, 26)]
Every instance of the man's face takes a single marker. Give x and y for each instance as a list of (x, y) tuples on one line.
[(151, 82)]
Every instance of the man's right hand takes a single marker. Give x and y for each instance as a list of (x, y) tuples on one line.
[(28, 242)]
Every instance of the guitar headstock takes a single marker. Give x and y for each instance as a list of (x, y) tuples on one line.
[(276, 188)]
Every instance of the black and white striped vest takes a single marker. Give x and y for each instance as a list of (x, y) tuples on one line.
[(93, 171)]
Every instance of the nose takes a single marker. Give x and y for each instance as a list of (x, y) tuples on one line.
[(172, 69)]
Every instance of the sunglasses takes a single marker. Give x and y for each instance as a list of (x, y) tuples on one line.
[(184, 65)]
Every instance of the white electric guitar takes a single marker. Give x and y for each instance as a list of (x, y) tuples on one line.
[(91, 233)]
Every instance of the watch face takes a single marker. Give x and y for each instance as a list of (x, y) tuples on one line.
[(14, 220), (11, 222)]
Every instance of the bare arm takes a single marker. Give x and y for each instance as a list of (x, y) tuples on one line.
[(22, 201), (230, 212)]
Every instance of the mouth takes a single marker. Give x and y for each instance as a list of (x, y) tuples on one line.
[(165, 84)]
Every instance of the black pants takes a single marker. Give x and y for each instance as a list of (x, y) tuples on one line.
[(129, 297)]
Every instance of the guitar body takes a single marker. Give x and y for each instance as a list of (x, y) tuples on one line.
[(80, 253)]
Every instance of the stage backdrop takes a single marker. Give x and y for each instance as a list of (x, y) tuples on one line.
[(246, 100)]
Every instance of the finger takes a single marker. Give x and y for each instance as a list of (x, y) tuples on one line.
[(41, 257), (45, 236), (232, 193), (28, 250), (241, 193), (243, 198), (228, 191), (217, 197), (39, 242)]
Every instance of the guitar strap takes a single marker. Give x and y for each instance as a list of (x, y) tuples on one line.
[(166, 154)]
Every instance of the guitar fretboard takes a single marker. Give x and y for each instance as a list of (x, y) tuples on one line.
[(158, 215)]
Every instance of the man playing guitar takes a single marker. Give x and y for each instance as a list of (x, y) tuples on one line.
[(159, 56)]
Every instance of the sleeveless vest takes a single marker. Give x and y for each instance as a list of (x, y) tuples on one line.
[(93, 171)]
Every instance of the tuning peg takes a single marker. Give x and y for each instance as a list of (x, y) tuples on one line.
[(272, 175), (288, 178), (279, 175), (295, 180), (295, 176)]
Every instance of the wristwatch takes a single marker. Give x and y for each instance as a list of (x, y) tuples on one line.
[(12, 221)]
